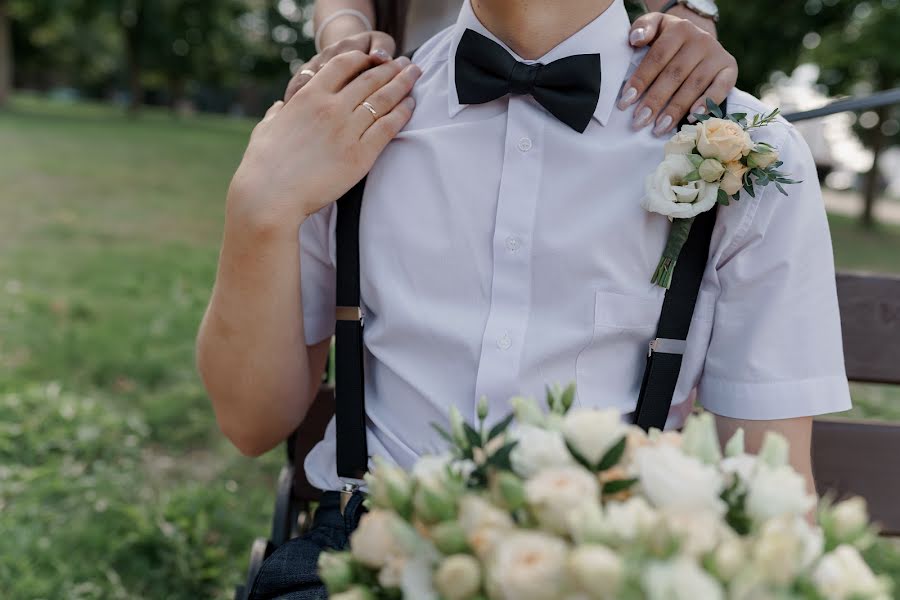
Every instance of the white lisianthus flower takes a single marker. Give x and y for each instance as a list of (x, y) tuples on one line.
[(698, 533), (843, 575), (528, 565), (667, 192), (785, 547), (598, 571), (776, 492), (729, 558), (723, 139), (538, 449), (733, 178), (680, 579), (616, 524), (711, 170), (375, 541), (683, 142), (850, 517), (672, 480), (592, 433), (458, 577), (554, 492), (741, 467)]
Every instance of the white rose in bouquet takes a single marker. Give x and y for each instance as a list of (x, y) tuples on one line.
[(458, 577), (616, 524), (553, 493), (592, 433), (483, 524), (538, 449), (680, 579), (775, 492), (683, 142), (851, 518), (672, 480), (784, 548), (668, 192), (529, 565), (598, 572), (376, 541), (698, 533), (843, 575)]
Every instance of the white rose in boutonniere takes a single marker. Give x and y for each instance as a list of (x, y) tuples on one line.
[(723, 139), (682, 142), (668, 191)]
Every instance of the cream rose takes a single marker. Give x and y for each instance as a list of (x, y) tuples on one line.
[(538, 449), (711, 170), (784, 548), (553, 493), (592, 433), (615, 524), (844, 575), (723, 139), (528, 565), (667, 192), (850, 517), (673, 480), (762, 156), (458, 577), (598, 571), (680, 579), (375, 542), (484, 524), (733, 179), (683, 141)]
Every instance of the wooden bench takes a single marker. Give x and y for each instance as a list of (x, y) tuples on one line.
[(850, 457)]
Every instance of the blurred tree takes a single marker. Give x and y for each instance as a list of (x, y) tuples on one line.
[(6, 59), (861, 56)]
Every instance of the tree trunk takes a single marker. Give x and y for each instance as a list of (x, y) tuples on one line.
[(872, 179), (6, 58), (133, 29)]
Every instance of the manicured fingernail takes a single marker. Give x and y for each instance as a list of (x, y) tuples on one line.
[(628, 96), (382, 54), (662, 126), (402, 61), (697, 110), (409, 102), (637, 35), (642, 117)]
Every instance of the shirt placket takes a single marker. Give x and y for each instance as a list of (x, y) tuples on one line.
[(504, 333)]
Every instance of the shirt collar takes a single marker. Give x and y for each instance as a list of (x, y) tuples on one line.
[(607, 35)]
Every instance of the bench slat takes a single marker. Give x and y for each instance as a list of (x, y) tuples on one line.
[(870, 319)]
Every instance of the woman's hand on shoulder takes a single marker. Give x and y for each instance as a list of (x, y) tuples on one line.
[(376, 43), (684, 66), (307, 152)]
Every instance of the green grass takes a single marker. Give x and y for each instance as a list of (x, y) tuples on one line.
[(114, 482)]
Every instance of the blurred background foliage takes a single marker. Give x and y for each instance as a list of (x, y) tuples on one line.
[(122, 123)]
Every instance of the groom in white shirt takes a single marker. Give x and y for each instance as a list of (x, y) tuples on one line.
[(504, 248)]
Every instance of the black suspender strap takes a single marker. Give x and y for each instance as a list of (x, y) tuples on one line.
[(667, 350), (349, 388)]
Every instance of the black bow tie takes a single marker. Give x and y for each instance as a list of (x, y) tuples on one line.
[(568, 88)]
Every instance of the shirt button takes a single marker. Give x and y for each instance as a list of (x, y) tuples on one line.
[(513, 244), (504, 342), (525, 144)]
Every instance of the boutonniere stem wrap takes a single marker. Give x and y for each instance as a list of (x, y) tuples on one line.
[(705, 164)]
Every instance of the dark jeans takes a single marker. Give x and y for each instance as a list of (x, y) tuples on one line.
[(291, 572)]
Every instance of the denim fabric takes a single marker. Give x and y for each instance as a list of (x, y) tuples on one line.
[(291, 572)]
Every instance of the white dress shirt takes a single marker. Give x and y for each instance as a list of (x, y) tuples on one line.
[(501, 251)]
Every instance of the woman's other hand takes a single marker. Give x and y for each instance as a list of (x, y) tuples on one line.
[(684, 66), (308, 152), (376, 43)]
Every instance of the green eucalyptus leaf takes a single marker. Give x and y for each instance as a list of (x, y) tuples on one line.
[(613, 455), (692, 176), (501, 458), (619, 485), (472, 436), (695, 159), (579, 457), (501, 426), (722, 198)]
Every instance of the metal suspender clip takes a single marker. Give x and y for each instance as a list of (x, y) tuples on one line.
[(667, 346), (349, 313), (350, 488)]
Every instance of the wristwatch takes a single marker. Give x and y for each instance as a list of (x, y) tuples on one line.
[(704, 8)]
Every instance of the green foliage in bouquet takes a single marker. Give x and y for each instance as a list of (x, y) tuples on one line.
[(570, 503)]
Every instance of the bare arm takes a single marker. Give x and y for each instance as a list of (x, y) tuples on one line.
[(345, 26), (251, 349), (797, 431), (703, 23)]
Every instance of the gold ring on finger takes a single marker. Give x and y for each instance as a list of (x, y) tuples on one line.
[(370, 108)]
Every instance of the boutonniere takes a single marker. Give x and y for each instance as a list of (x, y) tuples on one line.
[(708, 163)]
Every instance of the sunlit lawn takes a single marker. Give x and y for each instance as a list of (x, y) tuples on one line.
[(113, 480)]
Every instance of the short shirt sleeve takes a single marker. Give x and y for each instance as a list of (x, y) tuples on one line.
[(317, 275), (776, 350)]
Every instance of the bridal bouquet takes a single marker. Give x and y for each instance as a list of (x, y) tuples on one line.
[(707, 164), (572, 504)]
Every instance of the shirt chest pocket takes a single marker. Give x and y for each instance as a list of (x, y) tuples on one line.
[(609, 369)]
